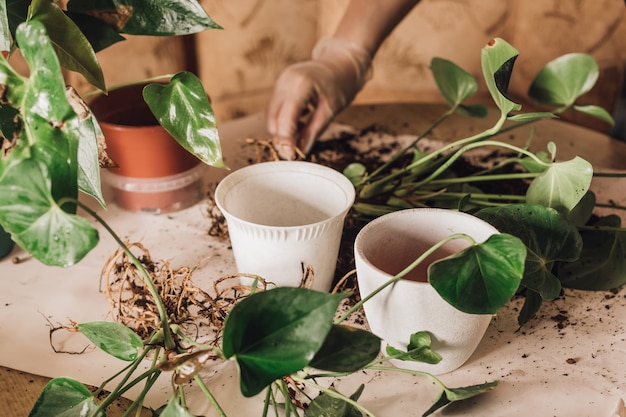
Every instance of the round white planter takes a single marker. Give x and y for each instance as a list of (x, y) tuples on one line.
[(284, 216), (389, 244)]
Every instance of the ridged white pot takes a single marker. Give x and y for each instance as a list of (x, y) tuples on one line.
[(284, 216), (389, 244)]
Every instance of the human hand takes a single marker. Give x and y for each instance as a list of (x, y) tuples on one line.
[(308, 95)]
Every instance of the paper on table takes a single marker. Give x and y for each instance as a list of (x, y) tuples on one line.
[(570, 361)]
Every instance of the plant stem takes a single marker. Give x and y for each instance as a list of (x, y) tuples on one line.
[(210, 396), (167, 334), (404, 272), (334, 394)]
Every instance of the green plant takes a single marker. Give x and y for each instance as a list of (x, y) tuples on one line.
[(263, 332), (48, 134), (552, 213)]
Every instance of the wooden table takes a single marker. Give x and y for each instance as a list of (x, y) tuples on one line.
[(19, 389)]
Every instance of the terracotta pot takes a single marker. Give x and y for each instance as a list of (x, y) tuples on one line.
[(386, 246), (155, 173)]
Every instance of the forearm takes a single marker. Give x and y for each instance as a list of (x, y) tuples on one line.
[(367, 23)]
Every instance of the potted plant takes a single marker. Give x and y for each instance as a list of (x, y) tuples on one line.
[(39, 114), (551, 208)]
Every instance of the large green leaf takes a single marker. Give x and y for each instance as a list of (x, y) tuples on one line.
[(481, 278), (563, 80), (65, 397), (148, 17), (497, 60), (602, 264), (114, 338), (99, 34), (72, 47), (346, 349), (548, 236), (562, 186), (183, 109), (277, 332), (51, 127), (36, 222)]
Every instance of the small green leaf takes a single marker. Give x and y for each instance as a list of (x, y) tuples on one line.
[(561, 81), (531, 117), (65, 397), (481, 278), (532, 304), (355, 172), (346, 349), (183, 109), (5, 32), (277, 332), (174, 409), (562, 185), (602, 264), (326, 405), (449, 395), (597, 112), (455, 84), (114, 338), (497, 61), (418, 350)]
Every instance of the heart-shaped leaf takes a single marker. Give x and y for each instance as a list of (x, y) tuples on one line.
[(481, 278), (65, 397), (114, 338), (346, 349), (183, 109), (561, 81), (497, 61), (274, 333), (562, 185), (418, 350), (454, 83)]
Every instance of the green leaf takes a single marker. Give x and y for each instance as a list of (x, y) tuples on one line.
[(174, 409), (72, 47), (326, 405), (532, 304), (449, 395), (481, 278), (50, 125), (65, 397), (99, 34), (602, 262), (274, 333), (183, 109), (346, 349), (148, 17), (355, 172), (562, 185), (497, 60), (114, 338), (38, 225), (561, 81), (531, 117), (418, 350), (455, 84), (548, 236), (597, 112)]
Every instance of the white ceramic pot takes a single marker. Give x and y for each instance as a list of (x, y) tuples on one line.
[(284, 216), (389, 244)]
